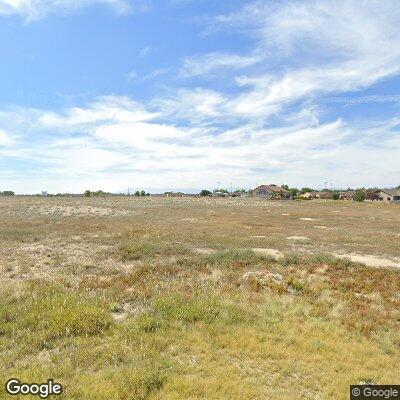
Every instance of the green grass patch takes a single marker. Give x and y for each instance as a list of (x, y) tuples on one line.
[(232, 258), (138, 247), (50, 313)]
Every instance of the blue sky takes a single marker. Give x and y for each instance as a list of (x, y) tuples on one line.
[(110, 94)]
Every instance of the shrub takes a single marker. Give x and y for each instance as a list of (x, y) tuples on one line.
[(360, 195), (177, 308), (49, 313)]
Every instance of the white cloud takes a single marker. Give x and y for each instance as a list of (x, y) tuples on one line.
[(132, 75), (269, 94), (145, 51), (156, 73), (206, 63), (36, 9), (105, 110), (193, 105), (325, 46), (367, 99), (5, 139), (115, 147)]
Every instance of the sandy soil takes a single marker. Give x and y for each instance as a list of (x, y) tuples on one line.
[(42, 237)]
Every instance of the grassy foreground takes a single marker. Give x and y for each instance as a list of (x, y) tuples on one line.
[(227, 325), (172, 300)]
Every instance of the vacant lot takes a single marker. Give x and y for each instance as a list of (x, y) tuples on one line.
[(186, 298)]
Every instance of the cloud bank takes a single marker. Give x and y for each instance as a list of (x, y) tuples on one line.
[(270, 125)]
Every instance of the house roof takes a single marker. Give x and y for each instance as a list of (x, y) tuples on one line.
[(326, 193), (348, 193), (391, 192), (273, 187)]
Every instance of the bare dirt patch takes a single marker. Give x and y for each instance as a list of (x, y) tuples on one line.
[(76, 211), (278, 255), (371, 260), (301, 238), (205, 251)]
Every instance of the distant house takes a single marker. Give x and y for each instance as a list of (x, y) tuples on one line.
[(218, 193), (270, 191), (325, 195), (239, 193), (173, 194), (306, 196), (316, 195), (348, 195), (389, 195)]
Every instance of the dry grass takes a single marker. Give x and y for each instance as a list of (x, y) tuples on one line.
[(164, 298)]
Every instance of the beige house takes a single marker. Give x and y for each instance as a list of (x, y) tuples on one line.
[(324, 195), (389, 195), (306, 196), (270, 192), (173, 194), (348, 195)]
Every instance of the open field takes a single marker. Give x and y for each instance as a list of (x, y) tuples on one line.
[(189, 298)]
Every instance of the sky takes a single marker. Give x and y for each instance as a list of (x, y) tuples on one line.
[(191, 94)]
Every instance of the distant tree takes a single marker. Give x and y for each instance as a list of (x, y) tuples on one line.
[(143, 193), (7, 193), (88, 193), (205, 193), (360, 195), (137, 193), (336, 195), (285, 187), (371, 194), (100, 193), (221, 190), (397, 187), (306, 190), (293, 192)]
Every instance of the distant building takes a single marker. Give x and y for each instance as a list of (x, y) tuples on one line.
[(173, 194), (239, 193), (389, 195), (219, 194), (270, 192), (325, 195), (347, 195), (307, 196)]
